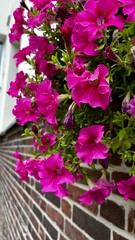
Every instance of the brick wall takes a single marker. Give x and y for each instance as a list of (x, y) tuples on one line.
[(31, 215)]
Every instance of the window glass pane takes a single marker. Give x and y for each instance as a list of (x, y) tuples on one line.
[(1, 47)]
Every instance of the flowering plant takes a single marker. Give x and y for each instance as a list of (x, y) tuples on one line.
[(78, 96)]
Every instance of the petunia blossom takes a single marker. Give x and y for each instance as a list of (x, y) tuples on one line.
[(90, 88), (85, 44), (17, 29), (129, 9), (53, 175), (131, 107), (24, 112), (20, 169), (127, 188), (21, 55), (42, 65), (20, 166), (40, 3), (46, 140), (35, 20), (97, 15), (29, 166), (98, 192), (40, 45), (32, 167), (18, 85), (47, 101), (89, 146)]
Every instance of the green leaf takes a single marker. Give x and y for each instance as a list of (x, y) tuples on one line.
[(115, 145), (122, 134), (134, 157), (127, 144)]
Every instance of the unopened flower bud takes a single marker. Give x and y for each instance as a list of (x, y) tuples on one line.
[(125, 103), (63, 97), (133, 57), (105, 163), (69, 120), (34, 129), (109, 54)]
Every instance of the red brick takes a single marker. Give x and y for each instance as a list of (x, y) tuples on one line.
[(115, 159), (73, 233), (30, 203), (42, 233), (50, 229), (131, 221), (76, 192), (37, 212), (43, 205), (35, 196), (53, 199), (34, 221), (117, 176), (62, 237), (113, 213), (118, 237), (66, 208), (34, 235), (55, 216), (90, 225)]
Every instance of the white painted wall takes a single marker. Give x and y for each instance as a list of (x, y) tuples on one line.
[(5, 7), (9, 69)]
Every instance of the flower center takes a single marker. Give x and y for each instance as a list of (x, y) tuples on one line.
[(59, 172), (28, 112), (94, 82), (100, 20)]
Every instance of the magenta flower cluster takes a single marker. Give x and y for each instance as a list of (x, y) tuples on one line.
[(73, 51)]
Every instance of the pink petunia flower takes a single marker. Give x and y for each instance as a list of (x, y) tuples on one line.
[(127, 188), (20, 166), (46, 140), (35, 21), (16, 32), (53, 174), (18, 16), (90, 88), (40, 3), (89, 146), (85, 44), (24, 112), (131, 107), (42, 65), (40, 45), (129, 9), (32, 167), (17, 29), (98, 16), (20, 169), (21, 55), (18, 85), (66, 31), (109, 54), (99, 192), (47, 101), (17, 155)]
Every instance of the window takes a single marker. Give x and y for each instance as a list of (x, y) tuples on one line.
[(1, 62)]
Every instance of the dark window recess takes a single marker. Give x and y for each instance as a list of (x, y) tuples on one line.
[(8, 20)]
